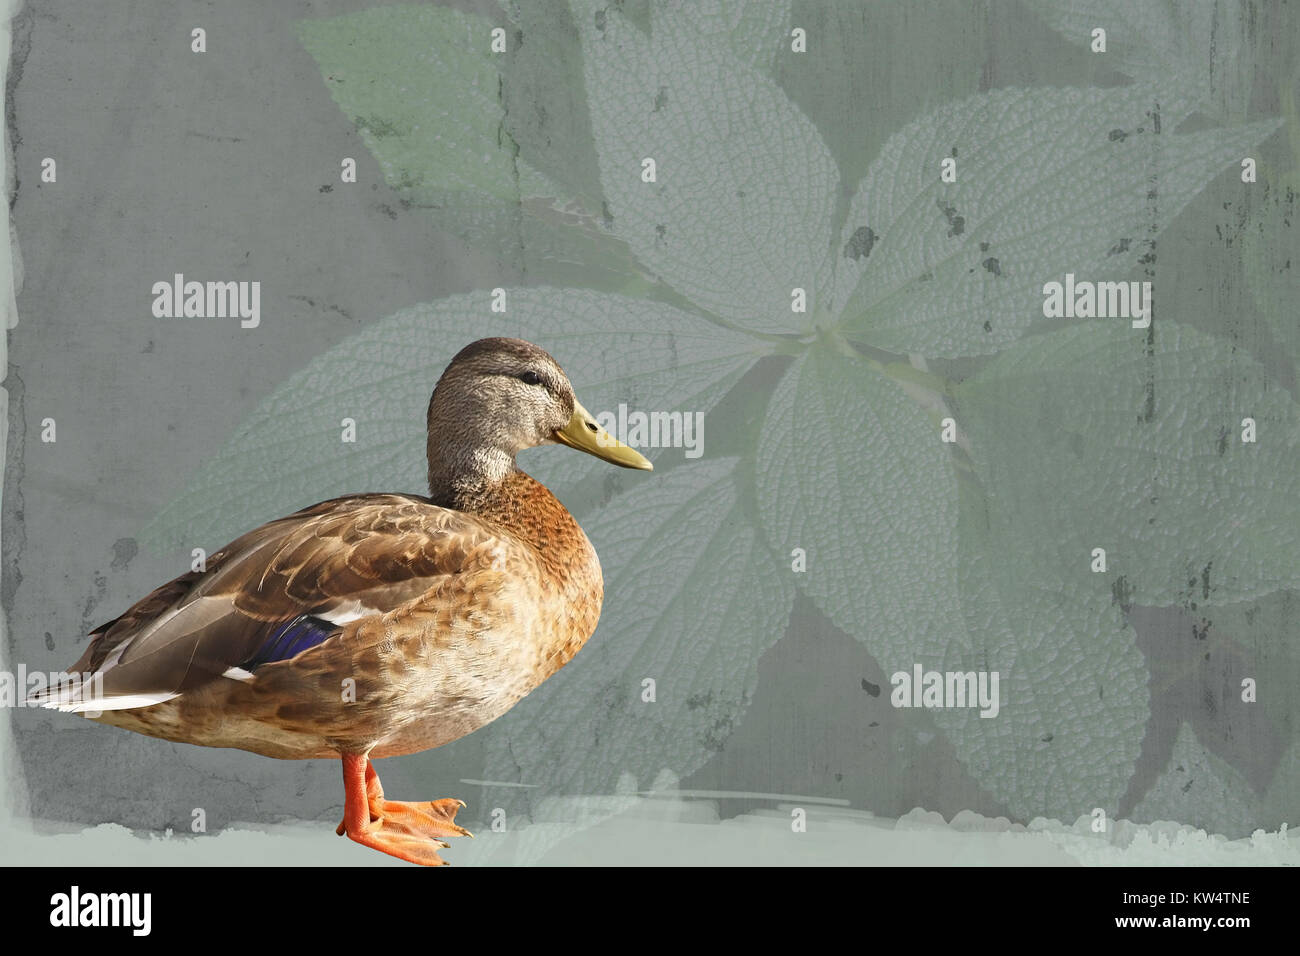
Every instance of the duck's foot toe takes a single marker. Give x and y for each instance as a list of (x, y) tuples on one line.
[(396, 840), (434, 817), (410, 831)]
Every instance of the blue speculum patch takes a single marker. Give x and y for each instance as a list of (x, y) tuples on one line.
[(291, 639)]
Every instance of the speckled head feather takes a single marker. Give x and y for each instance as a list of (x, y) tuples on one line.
[(497, 397)]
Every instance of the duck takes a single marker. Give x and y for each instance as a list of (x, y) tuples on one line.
[(380, 624)]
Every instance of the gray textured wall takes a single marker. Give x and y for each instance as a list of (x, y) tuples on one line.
[(224, 165)]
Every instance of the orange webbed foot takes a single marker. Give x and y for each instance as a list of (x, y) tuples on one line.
[(411, 831)]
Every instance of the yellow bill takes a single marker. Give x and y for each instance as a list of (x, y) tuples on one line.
[(585, 434)]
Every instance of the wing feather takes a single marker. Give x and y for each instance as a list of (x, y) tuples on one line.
[(337, 561)]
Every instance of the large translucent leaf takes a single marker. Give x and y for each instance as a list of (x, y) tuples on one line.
[(543, 88), (1224, 759), (1198, 53), (1048, 181), (756, 29), (692, 601), (550, 243), (1072, 682), (1097, 436), (544, 97), (862, 79), (852, 471), (1199, 789), (422, 86), (740, 212), (1260, 640), (496, 147), (289, 453)]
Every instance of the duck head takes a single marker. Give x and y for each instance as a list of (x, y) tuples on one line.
[(499, 396)]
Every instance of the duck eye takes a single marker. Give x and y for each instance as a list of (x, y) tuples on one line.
[(530, 378)]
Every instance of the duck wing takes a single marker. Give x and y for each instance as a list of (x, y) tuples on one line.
[(273, 593)]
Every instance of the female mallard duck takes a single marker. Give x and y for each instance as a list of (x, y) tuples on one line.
[(380, 624)]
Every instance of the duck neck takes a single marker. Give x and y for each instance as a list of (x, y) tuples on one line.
[(469, 479), (526, 508), (523, 506)]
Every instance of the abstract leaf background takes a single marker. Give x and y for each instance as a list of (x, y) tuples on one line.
[(924, 301)]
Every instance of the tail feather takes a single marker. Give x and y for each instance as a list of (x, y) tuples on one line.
[(84, 694)]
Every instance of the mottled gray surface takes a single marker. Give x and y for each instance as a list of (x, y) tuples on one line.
[(225, 165), (170, 161)]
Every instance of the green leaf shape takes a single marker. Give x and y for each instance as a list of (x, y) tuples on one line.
[(1072, 681), (740, 214), (287, 454), (1208, 785), (551, 244), (1268, 630), (1095, 437), (851, 470), (422, 86), (862, 78), (545, 100), (496, 147), (1049, 181), (1199, 789), (692, 601), (544, 91), (1199, 54)]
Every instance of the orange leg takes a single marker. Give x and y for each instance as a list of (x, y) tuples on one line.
[(409, 831)]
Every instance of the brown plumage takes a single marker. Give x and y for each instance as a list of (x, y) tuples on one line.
[(379, 624)]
